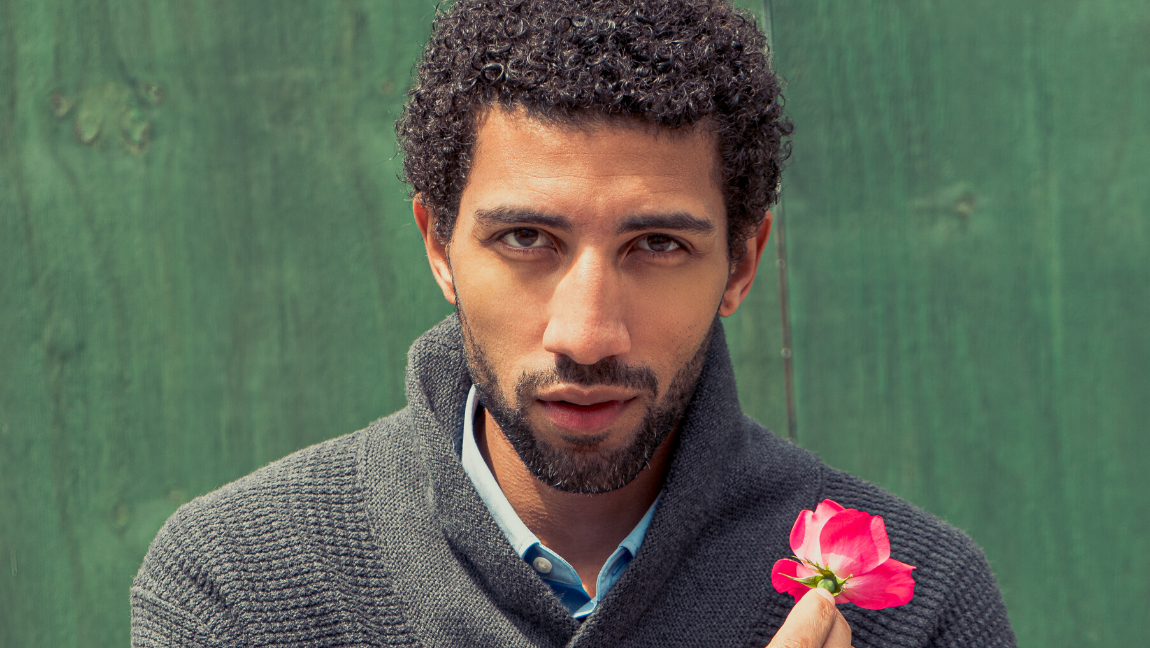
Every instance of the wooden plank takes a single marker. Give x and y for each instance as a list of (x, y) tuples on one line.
[(754, 332), (969, 254), (208, 262)]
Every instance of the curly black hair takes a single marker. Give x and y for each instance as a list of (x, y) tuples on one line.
[(668, 63)]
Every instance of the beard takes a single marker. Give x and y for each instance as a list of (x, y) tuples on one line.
[(585, 468)]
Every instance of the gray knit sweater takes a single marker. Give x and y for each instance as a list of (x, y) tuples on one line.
[(378, 538)]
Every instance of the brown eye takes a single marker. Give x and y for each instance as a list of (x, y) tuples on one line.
[(524, 237), (658, 243)]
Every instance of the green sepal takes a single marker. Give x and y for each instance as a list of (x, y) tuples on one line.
[(810, 581), (822, 577)]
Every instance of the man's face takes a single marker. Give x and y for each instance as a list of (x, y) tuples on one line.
[(587, 266)]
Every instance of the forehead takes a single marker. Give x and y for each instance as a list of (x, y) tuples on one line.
[(603, 167)]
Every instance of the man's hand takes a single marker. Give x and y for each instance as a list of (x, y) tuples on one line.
[(814, 622)]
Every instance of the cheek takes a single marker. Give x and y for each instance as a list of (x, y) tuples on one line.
[(507, 313), (669, 315)]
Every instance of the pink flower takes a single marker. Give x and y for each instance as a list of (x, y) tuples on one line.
[(846, 552)]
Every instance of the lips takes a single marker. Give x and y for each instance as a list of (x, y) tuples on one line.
[(583, 418)]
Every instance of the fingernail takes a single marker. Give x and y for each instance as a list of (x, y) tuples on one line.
[(825, 594)]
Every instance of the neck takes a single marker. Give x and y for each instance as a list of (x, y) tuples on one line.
[(584, 529)]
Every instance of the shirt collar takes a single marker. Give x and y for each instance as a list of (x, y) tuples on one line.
[(520, 537), (635, 538), (492, 495)]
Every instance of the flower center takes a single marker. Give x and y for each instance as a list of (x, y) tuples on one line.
[(823, 577), (830, 584)]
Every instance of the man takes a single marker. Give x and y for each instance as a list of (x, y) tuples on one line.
[(591, 181)]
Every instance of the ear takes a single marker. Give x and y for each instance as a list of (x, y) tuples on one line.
[(436, 249), (743, 274)]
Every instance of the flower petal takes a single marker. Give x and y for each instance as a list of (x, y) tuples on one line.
[(805, 537), (881, 541), (805, 532), (826, 509), (848, 545), (888, 585), (784, 568)]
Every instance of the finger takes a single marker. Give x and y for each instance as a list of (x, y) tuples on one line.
[(810, 622), (840, 635)]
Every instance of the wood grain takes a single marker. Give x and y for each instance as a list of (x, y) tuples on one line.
[(207, 262), (969, 256)]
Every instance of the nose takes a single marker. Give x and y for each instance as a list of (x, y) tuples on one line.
[(587, 312)]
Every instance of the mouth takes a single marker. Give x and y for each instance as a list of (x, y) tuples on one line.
[(584, 413)]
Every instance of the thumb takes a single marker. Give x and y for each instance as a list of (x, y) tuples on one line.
[(810, 622)]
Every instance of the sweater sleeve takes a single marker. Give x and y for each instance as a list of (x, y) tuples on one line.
[(156, 623), (975, 615), (174, 600), (956, 604)]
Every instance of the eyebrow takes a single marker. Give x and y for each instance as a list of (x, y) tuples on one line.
[(498, 216), (677, 221)]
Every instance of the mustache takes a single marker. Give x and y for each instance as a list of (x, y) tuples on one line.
[(609, 372)]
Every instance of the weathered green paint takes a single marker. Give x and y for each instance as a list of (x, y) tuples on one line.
[(968, 218), (182, 307), (206, 262)]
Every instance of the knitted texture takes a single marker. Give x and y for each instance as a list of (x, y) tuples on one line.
[(378, 538)]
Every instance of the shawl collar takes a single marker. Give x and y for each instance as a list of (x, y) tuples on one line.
[(437, 386), (709, 455)]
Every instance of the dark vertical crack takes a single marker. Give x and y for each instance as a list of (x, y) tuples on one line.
[(781, 262)]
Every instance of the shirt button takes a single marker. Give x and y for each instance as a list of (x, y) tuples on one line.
[(541, 565)]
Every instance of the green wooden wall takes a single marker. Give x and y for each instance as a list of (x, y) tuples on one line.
[(969, 236), (206, 262)]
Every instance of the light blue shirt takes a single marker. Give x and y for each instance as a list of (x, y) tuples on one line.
[(550, 566)]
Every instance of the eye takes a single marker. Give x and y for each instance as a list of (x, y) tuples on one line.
[(657, 243), (525, 237)]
